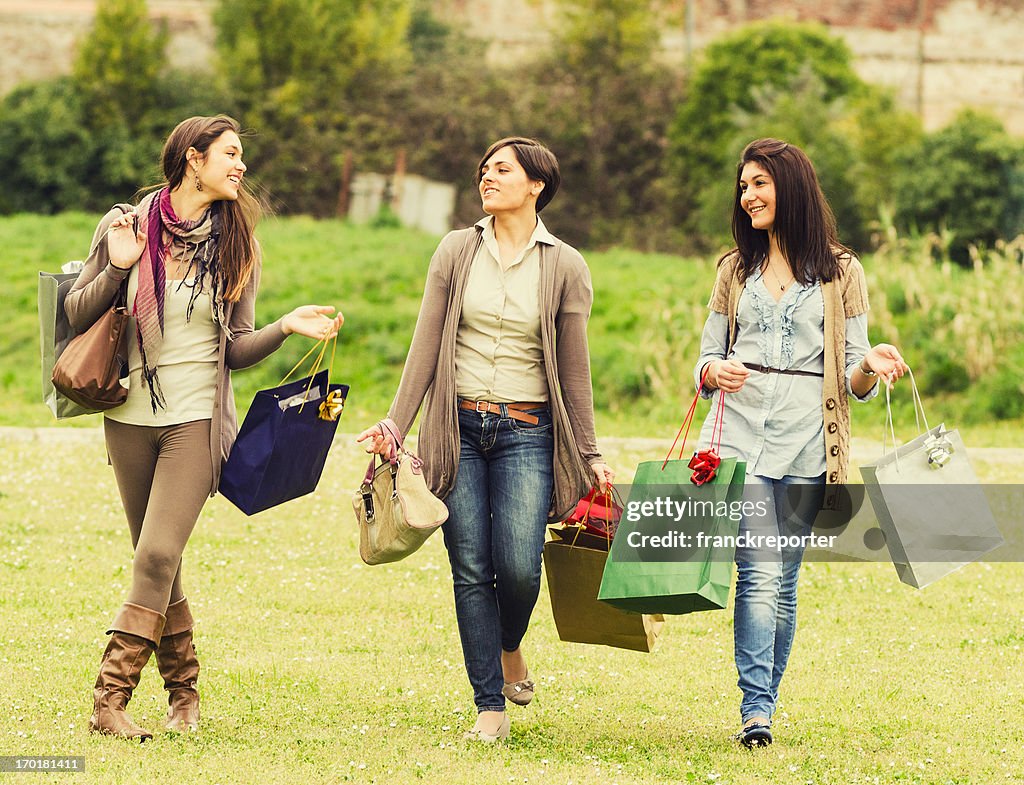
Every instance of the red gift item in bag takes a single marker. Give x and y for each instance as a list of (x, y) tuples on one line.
[(598, 513)]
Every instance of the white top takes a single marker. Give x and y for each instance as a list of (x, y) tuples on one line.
[(498, 351), (187, 368)]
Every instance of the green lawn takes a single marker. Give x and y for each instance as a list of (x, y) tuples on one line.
[(318, 669)]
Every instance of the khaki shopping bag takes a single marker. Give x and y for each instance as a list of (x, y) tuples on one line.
[(574, 575)]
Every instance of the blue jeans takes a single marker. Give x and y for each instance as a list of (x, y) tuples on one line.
[(497, 513), (764, 618)]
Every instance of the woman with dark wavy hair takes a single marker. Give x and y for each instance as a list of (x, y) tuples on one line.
[(192, 268), (499, 363), (786, 342)]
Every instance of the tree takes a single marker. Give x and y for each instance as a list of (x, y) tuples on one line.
[(309, 75), (730, 86), (967, 178), (119, 64), (852, 141), (453, 106), (601, 100)]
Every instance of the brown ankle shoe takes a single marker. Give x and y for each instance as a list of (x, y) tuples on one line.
[(176, 659), (133, 633)]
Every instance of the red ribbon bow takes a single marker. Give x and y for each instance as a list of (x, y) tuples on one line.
[(705, 465)]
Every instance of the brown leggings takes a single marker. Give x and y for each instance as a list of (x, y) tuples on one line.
[(164, 475)]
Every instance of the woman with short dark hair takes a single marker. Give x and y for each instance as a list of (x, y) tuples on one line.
[(499, 361), (192, 268), (787, 343)]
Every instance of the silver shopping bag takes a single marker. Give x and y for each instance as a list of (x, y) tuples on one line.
[(929, 503), (55, 333)]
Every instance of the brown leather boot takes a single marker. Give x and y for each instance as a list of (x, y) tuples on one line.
[(133, 637), (176, 658)]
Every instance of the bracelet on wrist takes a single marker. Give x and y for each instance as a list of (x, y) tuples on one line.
[(866, 371)]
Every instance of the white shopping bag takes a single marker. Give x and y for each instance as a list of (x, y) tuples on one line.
[(929, 503)]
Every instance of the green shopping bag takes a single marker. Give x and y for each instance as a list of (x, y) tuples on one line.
[(690, 569), (675, 545)]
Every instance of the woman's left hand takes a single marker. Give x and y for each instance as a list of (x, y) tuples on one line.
[(604, 474), (885, 360), (313, 321)]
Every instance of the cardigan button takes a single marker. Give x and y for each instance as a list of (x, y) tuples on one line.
[(830, 404), (835, 449), (833, 427), (833, 477)]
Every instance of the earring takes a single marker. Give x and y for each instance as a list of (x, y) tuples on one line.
[(199, 185)]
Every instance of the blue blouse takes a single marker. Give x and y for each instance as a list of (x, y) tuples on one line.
[(775, 422)]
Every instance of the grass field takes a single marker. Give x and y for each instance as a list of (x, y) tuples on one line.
[(317, 669)]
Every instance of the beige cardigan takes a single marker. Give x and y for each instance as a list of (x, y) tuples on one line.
[(240, 345), (844, 296), (429, 375)]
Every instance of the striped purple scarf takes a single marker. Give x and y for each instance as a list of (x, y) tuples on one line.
[(166, 233)]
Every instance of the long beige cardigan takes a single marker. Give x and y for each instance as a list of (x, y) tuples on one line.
[(429, 375), (844, 296)]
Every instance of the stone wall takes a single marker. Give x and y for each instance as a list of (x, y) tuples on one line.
[(938, 55), (38, 37)]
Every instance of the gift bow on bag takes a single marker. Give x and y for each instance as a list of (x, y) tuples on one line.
[(694, 577)]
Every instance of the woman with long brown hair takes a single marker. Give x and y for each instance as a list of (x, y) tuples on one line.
[(192, 268), (784, 347)]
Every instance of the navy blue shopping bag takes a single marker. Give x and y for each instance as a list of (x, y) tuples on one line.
[(283, 443)]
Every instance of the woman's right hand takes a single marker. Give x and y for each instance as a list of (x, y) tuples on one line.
[(124, 244), (726, 375), (382, 442)]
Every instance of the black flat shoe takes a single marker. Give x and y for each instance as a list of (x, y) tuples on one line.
[(756, 734)]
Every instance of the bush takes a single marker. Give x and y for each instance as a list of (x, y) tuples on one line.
[(967, 178), (48, 156)]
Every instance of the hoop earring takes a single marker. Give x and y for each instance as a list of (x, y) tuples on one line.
[(199, 185)]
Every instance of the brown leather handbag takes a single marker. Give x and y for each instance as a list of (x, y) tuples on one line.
[(88, 371)]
